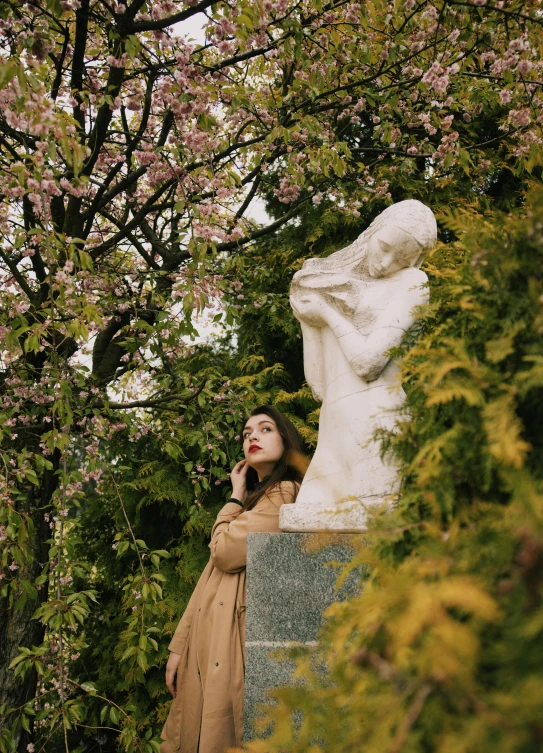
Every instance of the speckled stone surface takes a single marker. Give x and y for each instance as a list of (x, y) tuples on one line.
[(289, 585)]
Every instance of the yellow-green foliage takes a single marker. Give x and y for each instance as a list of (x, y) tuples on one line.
[(443, 650)]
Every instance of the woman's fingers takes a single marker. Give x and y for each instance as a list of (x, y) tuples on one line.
[(171, 672), (239, 467), (170, 682), (238, 477)]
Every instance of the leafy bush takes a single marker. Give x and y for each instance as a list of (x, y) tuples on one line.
[(443, 650)]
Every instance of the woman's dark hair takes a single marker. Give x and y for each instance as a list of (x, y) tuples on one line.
[(292, 464)]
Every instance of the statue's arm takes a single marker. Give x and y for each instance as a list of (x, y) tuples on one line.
[(368, 354), (313, 359)]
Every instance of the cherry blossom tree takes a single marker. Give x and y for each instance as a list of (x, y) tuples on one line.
[(130, 159)]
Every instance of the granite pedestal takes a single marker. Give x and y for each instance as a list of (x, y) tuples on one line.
[(289, 585)]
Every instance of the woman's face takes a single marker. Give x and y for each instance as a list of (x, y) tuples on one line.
[(262, 444), (389, 250)]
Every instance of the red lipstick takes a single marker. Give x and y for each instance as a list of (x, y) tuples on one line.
[(254, 448)]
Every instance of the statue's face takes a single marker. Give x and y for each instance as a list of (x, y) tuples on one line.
[(389, 250)]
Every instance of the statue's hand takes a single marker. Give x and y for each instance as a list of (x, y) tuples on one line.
[(310, 308)]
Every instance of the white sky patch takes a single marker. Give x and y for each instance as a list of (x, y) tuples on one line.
[(257, 211), (192, 28)]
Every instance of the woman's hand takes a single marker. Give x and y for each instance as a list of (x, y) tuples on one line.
[(238, 477), (171, 671)]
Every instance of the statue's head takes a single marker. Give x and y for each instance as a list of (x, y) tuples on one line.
[(399, 237)]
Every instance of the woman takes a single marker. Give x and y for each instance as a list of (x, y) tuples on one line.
[(205, 670)]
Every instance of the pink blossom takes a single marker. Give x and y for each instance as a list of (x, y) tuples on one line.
[(520, 118), (116, 62), (287, 192), (524, 66), (352, 13), (497, 67)]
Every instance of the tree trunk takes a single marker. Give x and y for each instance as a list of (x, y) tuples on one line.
[(17, 628)]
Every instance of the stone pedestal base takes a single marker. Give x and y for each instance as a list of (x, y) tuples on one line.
[(288, 588), (344, 517)]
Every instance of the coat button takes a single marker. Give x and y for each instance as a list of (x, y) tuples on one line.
[(200, 609), (217, 664), (220, 602)]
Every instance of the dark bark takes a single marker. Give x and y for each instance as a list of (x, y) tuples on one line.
[(78, 60), (107, 352), (17, 628)]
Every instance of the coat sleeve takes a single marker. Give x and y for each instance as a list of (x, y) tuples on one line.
[(229, 537), (229, 512), (182, 630)]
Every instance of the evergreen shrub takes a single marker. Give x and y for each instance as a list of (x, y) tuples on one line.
[(443, 649)]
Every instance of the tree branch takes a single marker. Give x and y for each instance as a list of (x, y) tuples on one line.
[(156, 402), (18, 276), (230, 245), (163, 23), (134, 222), (249, 198), (135, 242), (505, 12), (78, 61)]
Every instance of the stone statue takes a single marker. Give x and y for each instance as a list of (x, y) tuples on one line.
[(353, 307)]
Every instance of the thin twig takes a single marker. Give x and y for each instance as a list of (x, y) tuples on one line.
[(413, 713), (97, 695), (59, 599), (143, 575)]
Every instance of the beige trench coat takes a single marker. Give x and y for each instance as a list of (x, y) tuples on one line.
[(207, 714)]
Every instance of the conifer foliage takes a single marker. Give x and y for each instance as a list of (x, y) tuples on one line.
[(443, 649)]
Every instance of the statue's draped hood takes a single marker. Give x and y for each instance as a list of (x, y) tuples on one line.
[(411, 216)]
